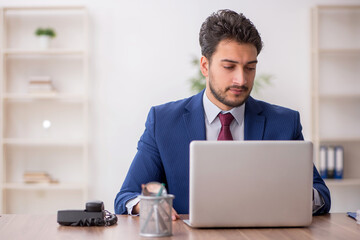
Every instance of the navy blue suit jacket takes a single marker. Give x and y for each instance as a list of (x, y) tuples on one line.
[(163, 149)]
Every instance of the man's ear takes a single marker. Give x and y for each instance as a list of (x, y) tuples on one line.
[(204, 66)]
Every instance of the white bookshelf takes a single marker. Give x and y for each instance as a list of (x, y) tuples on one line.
[(336, 96), (44, 131)]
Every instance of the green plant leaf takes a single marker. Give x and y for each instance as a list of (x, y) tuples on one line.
[(45, 32)]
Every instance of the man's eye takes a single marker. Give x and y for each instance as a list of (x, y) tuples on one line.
[(250, 68), (228, 67)]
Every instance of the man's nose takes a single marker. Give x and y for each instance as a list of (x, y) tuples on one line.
[(239, 78)]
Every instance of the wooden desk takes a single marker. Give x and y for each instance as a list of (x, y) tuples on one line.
[(331, 226)]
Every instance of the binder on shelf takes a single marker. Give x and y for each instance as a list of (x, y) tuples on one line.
[(323, 157), (339, 162), (330, 162)]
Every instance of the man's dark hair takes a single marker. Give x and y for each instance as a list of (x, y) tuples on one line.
[(227, 24)]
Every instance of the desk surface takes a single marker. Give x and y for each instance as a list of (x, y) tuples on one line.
[(330, 226)]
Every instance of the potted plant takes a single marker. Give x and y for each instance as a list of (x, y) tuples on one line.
[(44, 35)]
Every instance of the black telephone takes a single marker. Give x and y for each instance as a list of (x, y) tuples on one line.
[(93, 215)]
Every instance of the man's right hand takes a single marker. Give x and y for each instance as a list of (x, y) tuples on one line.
[(136, 209), (174, 214)]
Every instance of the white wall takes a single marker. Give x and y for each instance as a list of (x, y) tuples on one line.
[(140, 56)]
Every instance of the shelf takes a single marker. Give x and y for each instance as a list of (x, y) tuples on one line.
[(32, 8), (339, 50), (339, 139), (335, 98), (43, 142), (46, 131), (338, 7), (44, 186), (46, 96), (44, 52), (345, 96), (342, 182)]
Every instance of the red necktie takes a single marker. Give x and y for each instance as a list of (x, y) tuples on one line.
[(225, 133)]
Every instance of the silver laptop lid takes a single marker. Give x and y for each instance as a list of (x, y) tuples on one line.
[(250, 183)]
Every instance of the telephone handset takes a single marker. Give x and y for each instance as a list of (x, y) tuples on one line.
[(93, 215)]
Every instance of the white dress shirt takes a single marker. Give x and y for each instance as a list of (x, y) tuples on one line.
[(213, 124)]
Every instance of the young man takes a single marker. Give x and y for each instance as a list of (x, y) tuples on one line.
[(230, 45)]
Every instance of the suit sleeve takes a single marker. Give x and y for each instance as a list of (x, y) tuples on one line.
[(320, 186), (146, 166), (318, 182), (298, 128)]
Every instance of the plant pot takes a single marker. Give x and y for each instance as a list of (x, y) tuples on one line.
[(44, 42)]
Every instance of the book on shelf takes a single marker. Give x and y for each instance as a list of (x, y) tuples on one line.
[(41, 84), (331, 162), (38, 177)]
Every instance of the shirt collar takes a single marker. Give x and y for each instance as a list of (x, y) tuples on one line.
[(212, 111)]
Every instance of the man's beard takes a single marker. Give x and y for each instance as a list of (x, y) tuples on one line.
[(221, 96)]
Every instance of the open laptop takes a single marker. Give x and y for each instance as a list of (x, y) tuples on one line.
[(250, 183)]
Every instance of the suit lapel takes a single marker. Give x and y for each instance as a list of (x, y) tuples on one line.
[(254, 122), (194, 118)]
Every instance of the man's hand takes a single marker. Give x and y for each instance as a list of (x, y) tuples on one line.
[(136, 209), (174, 214)]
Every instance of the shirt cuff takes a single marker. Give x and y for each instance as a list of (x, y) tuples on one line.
[(130, 205), (318, 201)]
